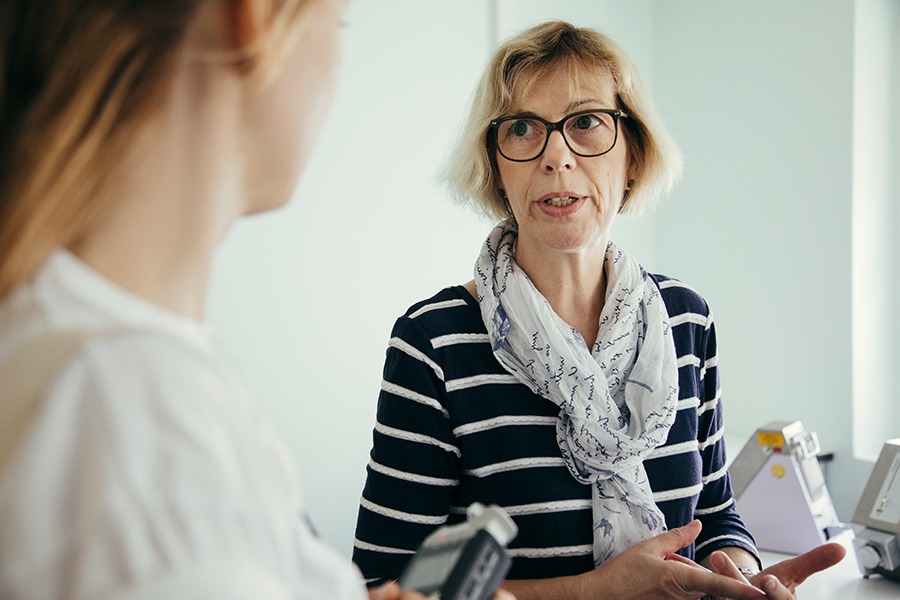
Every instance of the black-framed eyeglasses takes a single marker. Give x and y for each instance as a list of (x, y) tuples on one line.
[(521, 138)]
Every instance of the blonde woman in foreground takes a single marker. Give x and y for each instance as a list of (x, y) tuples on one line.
[(132, 134)]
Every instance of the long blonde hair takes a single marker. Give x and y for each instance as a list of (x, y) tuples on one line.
[(471, 172), (77, 79)]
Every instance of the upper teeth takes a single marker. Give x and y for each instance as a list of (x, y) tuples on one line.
[(560, 201)]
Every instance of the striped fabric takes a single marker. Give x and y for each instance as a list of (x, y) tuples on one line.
[(453, 427)]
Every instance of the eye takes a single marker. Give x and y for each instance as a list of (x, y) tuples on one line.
[(521, 128), (587, 121)]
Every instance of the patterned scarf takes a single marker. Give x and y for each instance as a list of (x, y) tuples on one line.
[(616, 403)]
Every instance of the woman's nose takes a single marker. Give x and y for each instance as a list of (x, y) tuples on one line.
[(557, 156)]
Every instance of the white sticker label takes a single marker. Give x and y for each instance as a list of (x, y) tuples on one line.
[(887, 504)]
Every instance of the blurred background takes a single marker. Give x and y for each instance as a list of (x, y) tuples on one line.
[(786, 220)]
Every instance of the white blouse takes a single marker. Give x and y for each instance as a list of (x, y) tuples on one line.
[(147, 471)]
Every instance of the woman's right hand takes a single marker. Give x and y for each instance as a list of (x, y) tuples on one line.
[(652, 569), (649, 570)]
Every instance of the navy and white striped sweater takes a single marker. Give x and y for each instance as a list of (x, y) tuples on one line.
[(454, 427)]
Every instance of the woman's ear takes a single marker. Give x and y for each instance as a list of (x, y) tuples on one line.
[(249, 21), (632, 171)]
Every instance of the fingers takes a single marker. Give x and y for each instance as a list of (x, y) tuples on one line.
[(388, 591), (723, 565), (683, 560), (724, 587), (794, 571), (504, 595), (825, 556), (774, 590), (392, 591), (674, 540)]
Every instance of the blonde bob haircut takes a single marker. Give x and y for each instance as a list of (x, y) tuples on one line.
[(471, 172), (77, 80)]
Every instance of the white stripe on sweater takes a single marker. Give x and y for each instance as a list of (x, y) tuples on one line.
[(503, 421), (399, 515), (538, 508), (477, 380), (722, 537), (514, 465), (677, 494), (409, 436), (687, 403), (417, 354), (541, 508), (459, 338), (711, 439), (686, 447), (413, 477), (438, 306), (397, 390), (710, 404), (688, 359), (694, 318), (715, 476), (682, 448), (357, 543), (551, 552), (713, 509), (710, 363), (675, 283)]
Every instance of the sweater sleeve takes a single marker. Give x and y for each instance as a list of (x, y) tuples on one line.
[(722, 526), (414, 466)]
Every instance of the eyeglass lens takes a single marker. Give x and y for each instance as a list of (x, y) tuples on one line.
[(587, 134)]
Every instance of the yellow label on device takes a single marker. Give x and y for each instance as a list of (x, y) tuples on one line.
[(770, 439)]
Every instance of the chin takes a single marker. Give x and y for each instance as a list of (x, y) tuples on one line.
[(577, 241), (261, 203)]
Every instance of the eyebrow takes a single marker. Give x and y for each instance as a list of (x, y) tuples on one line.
[(569, 108), (573, 105)]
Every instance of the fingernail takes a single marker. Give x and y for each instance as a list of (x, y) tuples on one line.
[(769, 586)]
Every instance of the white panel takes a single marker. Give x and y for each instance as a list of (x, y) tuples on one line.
[(876, 155)]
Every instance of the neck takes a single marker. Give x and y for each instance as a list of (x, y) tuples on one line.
[(574, 283), (171, 200)]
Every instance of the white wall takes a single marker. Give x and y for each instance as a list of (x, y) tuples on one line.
[(787, 217), (758, 94)]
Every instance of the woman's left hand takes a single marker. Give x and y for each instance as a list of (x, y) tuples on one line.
[(780, 581)]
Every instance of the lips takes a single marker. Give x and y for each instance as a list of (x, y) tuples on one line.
[(560, 199), (560, 202)]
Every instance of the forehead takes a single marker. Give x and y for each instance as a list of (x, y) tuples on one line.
[(563, 87)]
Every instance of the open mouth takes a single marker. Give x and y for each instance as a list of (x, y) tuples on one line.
[(560, 202)]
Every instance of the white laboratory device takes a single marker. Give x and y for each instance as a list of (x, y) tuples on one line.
[(780, 490), (878, 511)]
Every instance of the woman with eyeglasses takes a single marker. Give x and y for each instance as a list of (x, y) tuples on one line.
[(564, 383), (133, 133)]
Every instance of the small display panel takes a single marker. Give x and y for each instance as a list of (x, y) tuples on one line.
[(430, 568)]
